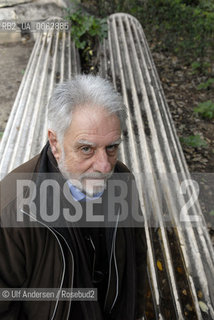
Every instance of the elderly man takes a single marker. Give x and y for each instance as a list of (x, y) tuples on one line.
[(84, 131)]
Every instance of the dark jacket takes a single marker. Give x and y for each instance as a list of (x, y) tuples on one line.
[(44, 257)]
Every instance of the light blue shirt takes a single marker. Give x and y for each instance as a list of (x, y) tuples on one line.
[(78, 195)]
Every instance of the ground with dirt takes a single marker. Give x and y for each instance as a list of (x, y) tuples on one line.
[(13, 61), (180, 87)]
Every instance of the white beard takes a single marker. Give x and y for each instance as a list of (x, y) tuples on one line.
[(88, 183)]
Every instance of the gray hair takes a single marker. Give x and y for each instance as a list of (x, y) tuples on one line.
[(80, 91)]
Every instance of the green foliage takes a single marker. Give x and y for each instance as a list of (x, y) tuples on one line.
[(196, 66), (205, 109), (211, 213), (200, 67), (86, 29), (207, 5), (183, 27), (193, 141), (206, 85)]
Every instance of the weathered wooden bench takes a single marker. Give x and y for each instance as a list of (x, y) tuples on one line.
[(180, 254), (54, 59)]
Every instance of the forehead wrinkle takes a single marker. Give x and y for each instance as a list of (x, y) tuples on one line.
[(83, 136), (86, 142)]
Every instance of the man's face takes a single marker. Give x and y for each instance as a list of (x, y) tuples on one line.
[(90, 147)]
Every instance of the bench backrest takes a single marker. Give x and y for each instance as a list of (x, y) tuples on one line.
[(153, 152)]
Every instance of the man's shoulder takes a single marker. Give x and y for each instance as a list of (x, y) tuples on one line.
[(8, 184)]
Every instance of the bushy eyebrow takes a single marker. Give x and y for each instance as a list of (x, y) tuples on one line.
[(117, 142), (86, 142), (89, 143)]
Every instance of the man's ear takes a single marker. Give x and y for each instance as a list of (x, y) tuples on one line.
[(54, 143)]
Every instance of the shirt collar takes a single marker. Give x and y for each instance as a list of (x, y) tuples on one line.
[(78, 195)]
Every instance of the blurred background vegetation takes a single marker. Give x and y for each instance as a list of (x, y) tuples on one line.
[(182, 27)]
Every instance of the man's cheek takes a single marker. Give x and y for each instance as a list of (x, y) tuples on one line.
[(113, 163)]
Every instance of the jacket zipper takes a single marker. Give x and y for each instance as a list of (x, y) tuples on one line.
[(115, 262), (72, 280), (63, 258)]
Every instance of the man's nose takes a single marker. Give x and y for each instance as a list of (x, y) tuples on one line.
[(101, 162)]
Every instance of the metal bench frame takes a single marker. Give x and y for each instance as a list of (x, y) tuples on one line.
[(151, 146)]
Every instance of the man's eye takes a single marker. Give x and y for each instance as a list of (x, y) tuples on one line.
[(86, 150), (112, 149)]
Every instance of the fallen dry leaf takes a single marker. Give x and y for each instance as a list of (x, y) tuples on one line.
[(184, 292), (159, 265), (203, 306)]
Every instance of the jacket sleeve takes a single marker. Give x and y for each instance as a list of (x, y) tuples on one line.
[(12, 268), (140, 253), (140, 247), (141, 272)]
